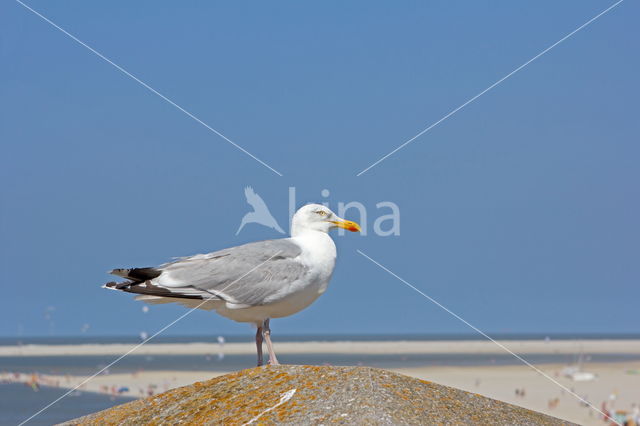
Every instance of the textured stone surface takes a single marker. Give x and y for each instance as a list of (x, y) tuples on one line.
[(323, 395)]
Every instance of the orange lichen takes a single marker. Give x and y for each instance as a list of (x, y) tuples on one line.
[(238, 397)]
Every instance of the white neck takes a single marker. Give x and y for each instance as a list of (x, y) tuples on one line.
[(318, 253), (316, 245), (299, 230)]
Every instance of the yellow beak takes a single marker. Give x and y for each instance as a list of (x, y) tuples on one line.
[(347, 224)]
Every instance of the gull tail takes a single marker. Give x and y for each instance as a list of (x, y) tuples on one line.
[(153, 294)]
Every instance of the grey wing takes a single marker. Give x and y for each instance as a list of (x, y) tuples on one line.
[(251, 274)]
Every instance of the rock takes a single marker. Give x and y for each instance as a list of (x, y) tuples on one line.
[(296, 394)]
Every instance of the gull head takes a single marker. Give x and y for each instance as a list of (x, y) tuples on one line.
[(316, 217)]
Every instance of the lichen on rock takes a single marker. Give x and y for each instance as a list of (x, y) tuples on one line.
[(301, 395)]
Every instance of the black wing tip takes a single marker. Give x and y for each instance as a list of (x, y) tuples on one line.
[(119, 271), (112, 285), (137, 274), (147, 289), (144, 274)]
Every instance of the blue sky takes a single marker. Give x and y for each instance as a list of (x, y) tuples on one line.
[(519, 213)]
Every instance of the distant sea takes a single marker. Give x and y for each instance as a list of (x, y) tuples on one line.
[(17, 402), (74, 340)]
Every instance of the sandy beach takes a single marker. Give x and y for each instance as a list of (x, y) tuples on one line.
[(501, 382), (338, 347), (616, 383)]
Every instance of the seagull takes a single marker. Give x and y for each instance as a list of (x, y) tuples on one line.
[(260, 213), (249, 283)]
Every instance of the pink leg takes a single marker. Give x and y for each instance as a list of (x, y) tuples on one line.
[(267, 337), (259, 345)]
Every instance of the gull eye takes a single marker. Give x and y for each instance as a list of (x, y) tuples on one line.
[(321, 212)]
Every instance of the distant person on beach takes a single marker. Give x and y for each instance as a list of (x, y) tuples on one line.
[(635, 414), (221, 341)]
